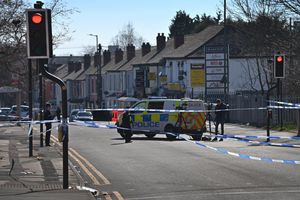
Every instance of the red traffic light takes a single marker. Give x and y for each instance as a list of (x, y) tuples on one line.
[(279, 58), (36, 18)]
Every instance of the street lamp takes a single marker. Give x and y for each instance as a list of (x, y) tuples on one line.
[(99, 77)]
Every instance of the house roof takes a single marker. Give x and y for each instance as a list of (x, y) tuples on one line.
[(65, 59), (192, 42), (62, 71), (128, 65), (75, 74), (112, 66)]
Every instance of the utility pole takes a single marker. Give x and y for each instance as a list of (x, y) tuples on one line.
[(99, 76), (226, 67), (30, 106)]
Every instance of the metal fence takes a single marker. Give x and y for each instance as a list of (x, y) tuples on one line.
[(246, 109)]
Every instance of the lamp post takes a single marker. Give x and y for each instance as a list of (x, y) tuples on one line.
[(99, 77)]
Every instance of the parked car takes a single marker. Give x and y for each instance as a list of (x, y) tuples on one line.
[(4, 112), (73, 114), (84, 116), (24, 112)]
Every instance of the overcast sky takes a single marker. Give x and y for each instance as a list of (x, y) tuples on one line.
[(106, 18)]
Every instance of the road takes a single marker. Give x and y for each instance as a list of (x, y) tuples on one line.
[(162, 169)]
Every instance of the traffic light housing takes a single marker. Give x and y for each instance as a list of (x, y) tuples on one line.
[(279, 66), (39, 33)]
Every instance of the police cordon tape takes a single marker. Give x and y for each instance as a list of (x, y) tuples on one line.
[(285, 107), (284, 103), (185, 111), (227, 136), (257, 137), (92, 124), (219, 150), (95, 125), (177, 110), (265, 143), (240, 155)]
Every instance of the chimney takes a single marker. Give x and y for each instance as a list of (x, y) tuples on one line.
[(178, 40), (77, 66), (146, 48), (118, 55), (71, 67), (106, 57), (87, 61), (130, 51), (97, 59), (160, 42)]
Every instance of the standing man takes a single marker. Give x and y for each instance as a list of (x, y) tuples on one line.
[(58, 112), (126, 125), (220, 117), (48, 116)]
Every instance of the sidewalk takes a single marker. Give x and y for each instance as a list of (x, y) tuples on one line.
[(36, 177)]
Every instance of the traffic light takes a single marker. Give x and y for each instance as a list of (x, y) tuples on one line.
[(279, 66), (39, 33)]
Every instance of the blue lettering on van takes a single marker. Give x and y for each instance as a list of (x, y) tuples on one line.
[(164, 117), (146, 118), (146, 124)]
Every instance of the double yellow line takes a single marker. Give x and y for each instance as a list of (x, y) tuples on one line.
[(87, 167)]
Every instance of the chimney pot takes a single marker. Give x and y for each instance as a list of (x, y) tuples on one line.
[(160, 42), (106, 57), (118, 55), (130, 51), (146, 48)]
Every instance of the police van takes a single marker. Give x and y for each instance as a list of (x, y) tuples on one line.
[(167, 116)]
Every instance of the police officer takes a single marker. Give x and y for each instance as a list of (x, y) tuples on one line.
[(126, 125), (220, 117), (48, 116)]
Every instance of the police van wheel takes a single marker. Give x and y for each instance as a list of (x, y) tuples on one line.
[(150, 136), (170, 128)]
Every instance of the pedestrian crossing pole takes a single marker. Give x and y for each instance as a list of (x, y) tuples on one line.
[(39, 47)]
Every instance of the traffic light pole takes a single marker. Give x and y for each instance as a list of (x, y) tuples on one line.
[(30, 106), (38, 63), (64, 123)]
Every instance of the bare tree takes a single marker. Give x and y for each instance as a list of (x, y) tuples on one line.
[(89, 50), (13, 61), (265, 32), (127, 35), (292, 5), (61, 10)]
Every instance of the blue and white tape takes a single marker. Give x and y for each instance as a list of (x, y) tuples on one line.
[(259, 137), (92, 124), (177, 111), (285, 107), (266, 143), (285, 103), (240, 155)]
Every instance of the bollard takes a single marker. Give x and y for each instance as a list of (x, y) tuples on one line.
[(269, 117)]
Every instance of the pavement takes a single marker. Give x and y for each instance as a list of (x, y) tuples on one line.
[(37, 177)]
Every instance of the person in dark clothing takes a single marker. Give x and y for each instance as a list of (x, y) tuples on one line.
[(58, 111), (126, 124), (220, 117), (48, 116)]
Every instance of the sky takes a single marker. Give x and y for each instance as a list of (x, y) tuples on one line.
[(106, 18)]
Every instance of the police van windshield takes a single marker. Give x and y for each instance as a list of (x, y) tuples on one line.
[(140, 105), (155, 105)]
